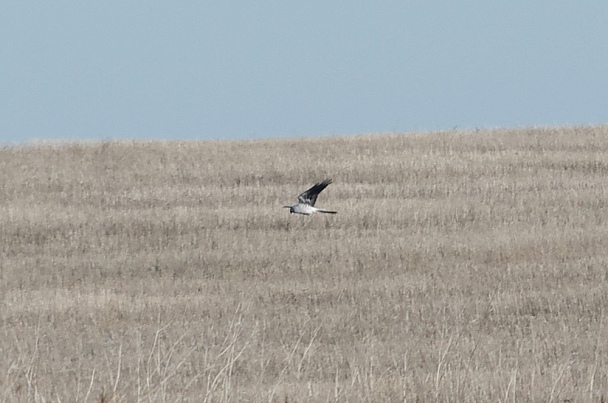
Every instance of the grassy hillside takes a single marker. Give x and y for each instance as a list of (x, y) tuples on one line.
[(460, 266)]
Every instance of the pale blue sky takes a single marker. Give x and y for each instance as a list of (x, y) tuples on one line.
[(134, 69)]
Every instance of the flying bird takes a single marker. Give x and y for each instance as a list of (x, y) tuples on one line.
[(307, 200)]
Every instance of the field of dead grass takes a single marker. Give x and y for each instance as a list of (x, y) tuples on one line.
[(462, 266)]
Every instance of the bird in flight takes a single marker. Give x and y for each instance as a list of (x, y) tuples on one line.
[(307, 200)]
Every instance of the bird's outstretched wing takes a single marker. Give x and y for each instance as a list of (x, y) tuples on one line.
[(310, 196)]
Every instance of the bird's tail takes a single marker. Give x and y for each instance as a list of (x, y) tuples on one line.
[(320, 210)]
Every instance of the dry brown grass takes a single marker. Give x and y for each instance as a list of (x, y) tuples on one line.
[(461, 267)]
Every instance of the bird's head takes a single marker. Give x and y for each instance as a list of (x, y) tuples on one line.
[(290, 209)]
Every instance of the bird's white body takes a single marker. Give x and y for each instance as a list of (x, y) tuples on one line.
[(306, 205), (302, 208), (307, 209)]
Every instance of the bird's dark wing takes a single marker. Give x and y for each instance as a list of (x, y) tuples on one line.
[(310, 196)]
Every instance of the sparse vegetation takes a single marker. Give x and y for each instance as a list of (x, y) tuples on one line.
[(461, 266)]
